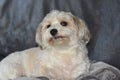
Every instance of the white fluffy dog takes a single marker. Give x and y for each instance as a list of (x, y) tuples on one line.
[(62, 54)]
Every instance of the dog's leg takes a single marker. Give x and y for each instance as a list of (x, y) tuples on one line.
[(10, 67)]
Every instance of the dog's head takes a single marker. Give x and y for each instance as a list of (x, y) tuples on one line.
[(61, 29)]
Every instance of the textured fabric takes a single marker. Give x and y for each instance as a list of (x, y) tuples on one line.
[(20, 18), (101, 71)]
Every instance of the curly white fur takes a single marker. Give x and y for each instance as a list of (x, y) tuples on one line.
[(62, 57)]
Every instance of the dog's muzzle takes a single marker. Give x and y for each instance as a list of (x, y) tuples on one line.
[(54, 33)]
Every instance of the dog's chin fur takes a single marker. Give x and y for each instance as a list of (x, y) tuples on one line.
[(62, 57)]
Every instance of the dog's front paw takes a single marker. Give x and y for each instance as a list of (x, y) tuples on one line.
[(26, 78)]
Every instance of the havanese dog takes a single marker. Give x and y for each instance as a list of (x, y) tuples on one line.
[(61, 55)]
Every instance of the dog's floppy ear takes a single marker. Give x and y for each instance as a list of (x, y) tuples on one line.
[(39, 36), (83, 32)]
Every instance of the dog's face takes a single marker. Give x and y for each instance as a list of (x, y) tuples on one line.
[(60, 30)]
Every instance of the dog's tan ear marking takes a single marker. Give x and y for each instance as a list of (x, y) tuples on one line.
[(39, 36), (83, 32)]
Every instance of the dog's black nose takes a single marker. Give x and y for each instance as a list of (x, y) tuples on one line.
[(53, 32)]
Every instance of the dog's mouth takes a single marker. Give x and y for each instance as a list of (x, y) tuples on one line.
[(58, 37), (59, 40)]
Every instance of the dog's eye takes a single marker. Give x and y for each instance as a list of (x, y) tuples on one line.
[(64, 23), (48, 26)]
